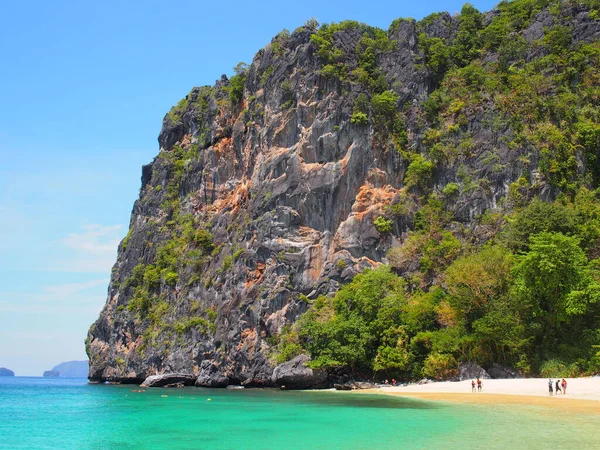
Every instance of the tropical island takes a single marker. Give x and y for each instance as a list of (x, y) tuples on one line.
[(4, 372), (368, 204), (68, 369)]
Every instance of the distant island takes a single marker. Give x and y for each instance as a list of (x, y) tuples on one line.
[(69, 369), (4, 372), (51, 374)]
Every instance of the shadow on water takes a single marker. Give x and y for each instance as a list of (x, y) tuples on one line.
[(317, 398), (366, 400)]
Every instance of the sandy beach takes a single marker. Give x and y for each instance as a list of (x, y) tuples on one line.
[(583, 394)]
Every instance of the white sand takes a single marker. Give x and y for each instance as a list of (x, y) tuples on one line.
[(577, 388)]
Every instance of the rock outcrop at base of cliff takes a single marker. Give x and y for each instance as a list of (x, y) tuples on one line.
[(51, 374), (469, 370), (355, 385), (210, 376), (294, 374), (499, 371), (169, 380)]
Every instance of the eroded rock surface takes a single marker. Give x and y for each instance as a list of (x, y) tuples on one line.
[(169, 380), (469, 370), (210, 376), (294, 374), (500, 371)]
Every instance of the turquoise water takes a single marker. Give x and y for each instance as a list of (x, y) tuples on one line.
[(38, 413)]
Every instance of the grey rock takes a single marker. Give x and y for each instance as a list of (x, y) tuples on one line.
[(294, 374), (469, 370), (355, 385), (169, 380), (364, 385), (210, 376), (500, 371)]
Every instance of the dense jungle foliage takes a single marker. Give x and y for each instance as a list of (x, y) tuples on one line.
[(529, 298), (520, 285)]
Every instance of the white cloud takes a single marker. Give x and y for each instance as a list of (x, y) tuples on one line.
[(91, 309), (72, 288), (95, 239), (83, 265), (91, 250), (66, 298)]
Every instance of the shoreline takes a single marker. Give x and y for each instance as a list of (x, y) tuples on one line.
[(583, 394)]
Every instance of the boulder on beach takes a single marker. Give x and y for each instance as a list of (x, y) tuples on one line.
[(468, 370), (500, 371), (210, 376), (364, 385), (169, 380), (355, 385), (294, 374)]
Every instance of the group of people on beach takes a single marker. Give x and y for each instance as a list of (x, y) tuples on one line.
[(479, 385), (560, 386)]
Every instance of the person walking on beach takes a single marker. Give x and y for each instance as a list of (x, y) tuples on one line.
[(550, 386), (478, 385), (564, 386), (393, 382), (473, 386), (557, 388)]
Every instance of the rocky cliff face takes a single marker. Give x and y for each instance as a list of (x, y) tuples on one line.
[(273, 187)]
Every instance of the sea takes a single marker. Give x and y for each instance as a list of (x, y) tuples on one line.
[(57, 413)]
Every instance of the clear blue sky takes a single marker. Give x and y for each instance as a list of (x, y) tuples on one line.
[(83, 90)]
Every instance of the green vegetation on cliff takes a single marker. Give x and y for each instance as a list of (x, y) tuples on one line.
[(528, 298)]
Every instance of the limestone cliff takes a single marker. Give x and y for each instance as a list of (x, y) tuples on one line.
[(275, 186)]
